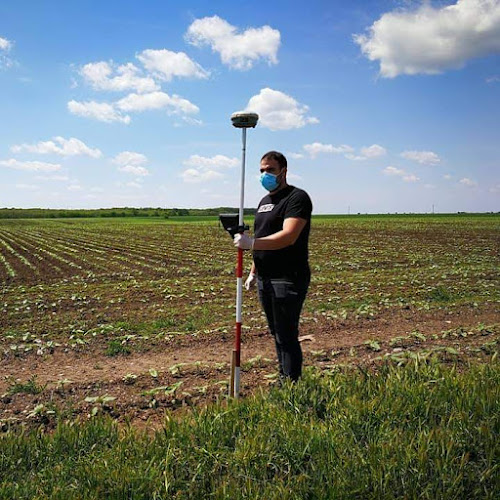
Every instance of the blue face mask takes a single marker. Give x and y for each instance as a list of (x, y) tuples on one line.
[(269, 181)]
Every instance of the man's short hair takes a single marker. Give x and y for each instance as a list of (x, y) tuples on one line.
[(276, 155)]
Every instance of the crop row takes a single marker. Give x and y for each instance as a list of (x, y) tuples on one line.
[(83, 253), (65, 276)]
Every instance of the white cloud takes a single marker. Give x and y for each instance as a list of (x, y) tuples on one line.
[(193, 175), (393, 171), (100, 111), (399, 172), (495, 189), (216, 162), (447, 177), (131, 163), (60, 146), (5, 44), (74, 187), (190, 120), (410, 178), (130, 158), (430, 40), (237, 50), (32, 166), (278, 111), (423, 157), (373, 151), (134, 169), (355, 157), (317, 147), (165, 64), (100, 76), (493, 79), (467, 182), (203, 169), (293, 177), (157, 100), (296, 156)]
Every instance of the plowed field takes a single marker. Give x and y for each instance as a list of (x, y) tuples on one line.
[(133, 316)]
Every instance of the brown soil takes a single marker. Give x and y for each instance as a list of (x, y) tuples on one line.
[(201, 363)]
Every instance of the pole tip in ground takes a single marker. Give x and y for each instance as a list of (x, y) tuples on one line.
[(244, 119)]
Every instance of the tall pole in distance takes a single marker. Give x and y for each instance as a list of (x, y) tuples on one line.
[(241, 120)]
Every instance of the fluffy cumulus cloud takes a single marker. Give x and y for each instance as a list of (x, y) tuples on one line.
[(316, 148), (467, 182), (116, 111), (192, 175), (157, 100), (108, 76), (398, 172), (279, 111), (31, 166), (59, 146), (204, 169), (372, 151), (5, 47), (237, 50), (423, 157), (215, 162), (131, 162), (146, 92), (101, 111), (432, 39), (165, 65)]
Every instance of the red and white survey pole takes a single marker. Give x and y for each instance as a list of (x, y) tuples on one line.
[(241, 120)]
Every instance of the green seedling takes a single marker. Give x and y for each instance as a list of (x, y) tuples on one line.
[(29, 387), (373, 345), (40, 411), (62, 384), (116, 348), (101, 402), (129, 378)]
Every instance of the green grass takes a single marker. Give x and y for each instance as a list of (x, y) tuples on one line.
[(29, 387), (424, 431), (117, 348)]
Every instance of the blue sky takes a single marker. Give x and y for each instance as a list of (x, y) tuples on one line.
[(380, 106)]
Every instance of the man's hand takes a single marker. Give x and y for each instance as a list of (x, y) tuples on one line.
[(243, 241), (250, 282)]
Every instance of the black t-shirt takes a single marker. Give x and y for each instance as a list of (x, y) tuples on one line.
[(272, 211)]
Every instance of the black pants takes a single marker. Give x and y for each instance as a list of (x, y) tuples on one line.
[(282, 300)]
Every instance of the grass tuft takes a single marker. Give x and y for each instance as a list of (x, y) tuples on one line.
[(421, 431)]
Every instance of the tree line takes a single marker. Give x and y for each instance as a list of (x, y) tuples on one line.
[(50, 213)]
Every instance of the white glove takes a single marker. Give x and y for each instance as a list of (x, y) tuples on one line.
[(243, 241), (250, 282)]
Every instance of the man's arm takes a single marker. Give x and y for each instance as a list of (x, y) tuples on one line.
[(292, 227)]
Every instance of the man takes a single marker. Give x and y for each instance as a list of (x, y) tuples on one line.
[(280, 259)]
